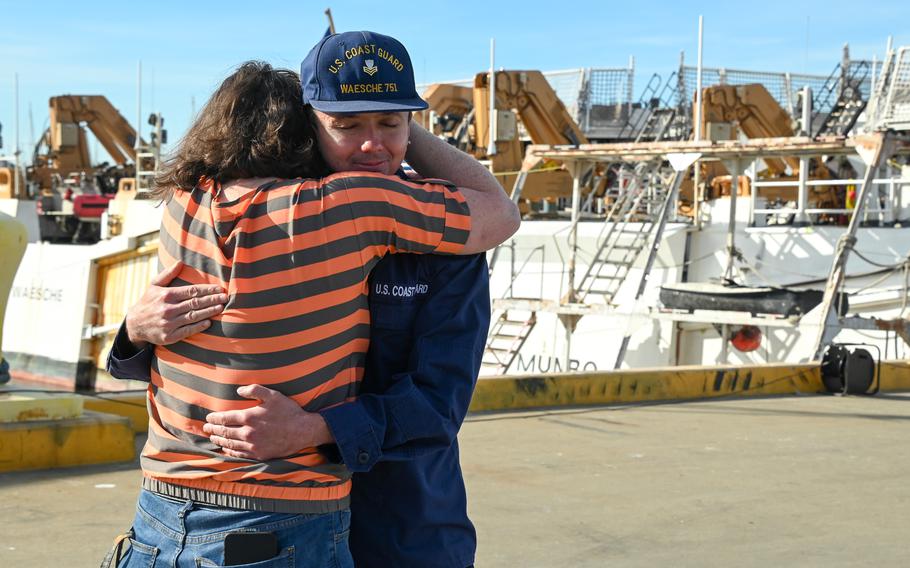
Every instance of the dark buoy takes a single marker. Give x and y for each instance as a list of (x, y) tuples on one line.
[(848, 371)]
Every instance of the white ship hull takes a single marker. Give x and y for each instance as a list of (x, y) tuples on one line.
[(68, 300), (780, 255)]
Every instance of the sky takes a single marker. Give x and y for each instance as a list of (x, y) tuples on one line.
[(187, 48)]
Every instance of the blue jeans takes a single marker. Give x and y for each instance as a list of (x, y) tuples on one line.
[(173, 533)]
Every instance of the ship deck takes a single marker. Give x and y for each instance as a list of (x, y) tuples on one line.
[(808, 480)]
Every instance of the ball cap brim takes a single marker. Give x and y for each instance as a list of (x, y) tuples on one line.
[(369, 106)]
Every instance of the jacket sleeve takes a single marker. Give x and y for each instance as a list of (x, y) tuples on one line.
[(423, 409), (125, 361)]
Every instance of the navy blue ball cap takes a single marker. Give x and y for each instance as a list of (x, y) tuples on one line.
[(359, 72)]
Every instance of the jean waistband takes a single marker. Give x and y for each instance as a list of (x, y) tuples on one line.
[(174, 518)]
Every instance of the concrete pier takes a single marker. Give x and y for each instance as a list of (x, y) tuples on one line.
[(781, 481)]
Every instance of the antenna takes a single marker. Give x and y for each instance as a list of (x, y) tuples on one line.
[(698, 78), (328, 13), (491, 142), (138, 143), (31, 127), (16, 151)]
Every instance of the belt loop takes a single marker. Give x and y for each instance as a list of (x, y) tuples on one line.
[(185, 509)]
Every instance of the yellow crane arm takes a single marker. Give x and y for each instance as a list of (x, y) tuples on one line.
[(756, 112), (530, 95), (106, 123)]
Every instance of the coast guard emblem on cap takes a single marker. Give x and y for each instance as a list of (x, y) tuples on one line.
[(357, 72)]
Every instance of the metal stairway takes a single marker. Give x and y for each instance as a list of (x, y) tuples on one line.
[(513, 319), (657, 125), (646, 104), (657, 229), (625, 233), (847, 82), (639, 212), (657, 113), (506, 339)]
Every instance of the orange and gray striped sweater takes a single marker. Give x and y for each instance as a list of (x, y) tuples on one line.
[(294, 256)]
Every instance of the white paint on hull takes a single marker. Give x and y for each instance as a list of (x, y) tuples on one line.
[(780, 255)]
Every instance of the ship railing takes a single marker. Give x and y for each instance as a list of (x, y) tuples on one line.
[(885, 204), (515, 272), (896, 111), (782, 86), (586, 91), (889, 107), (521, 276)]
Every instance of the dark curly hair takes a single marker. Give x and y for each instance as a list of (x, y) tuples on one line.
[(254, 125)]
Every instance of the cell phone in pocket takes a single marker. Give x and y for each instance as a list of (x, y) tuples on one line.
[(248, 547)]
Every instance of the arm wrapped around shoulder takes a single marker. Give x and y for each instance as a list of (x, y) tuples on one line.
[(394, 215), (494, 217)]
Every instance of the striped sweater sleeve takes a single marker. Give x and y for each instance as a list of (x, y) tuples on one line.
[(394, 215)]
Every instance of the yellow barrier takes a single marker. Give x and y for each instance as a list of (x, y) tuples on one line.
[(641, 385), (607, 387), (129, 405), (21, 406), (895, 375), (98, 438), (92, 438)]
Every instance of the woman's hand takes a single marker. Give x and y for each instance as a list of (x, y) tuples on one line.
[(166, 315)]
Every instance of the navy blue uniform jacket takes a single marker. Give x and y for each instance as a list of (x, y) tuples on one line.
[(429, 320)]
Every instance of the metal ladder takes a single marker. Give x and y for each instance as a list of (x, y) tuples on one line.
[(647, 102), (639, 210), (657, 125), (849, 104), (656, 112), (625, 233), (512, 324), (654, 245), (506, 338)]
